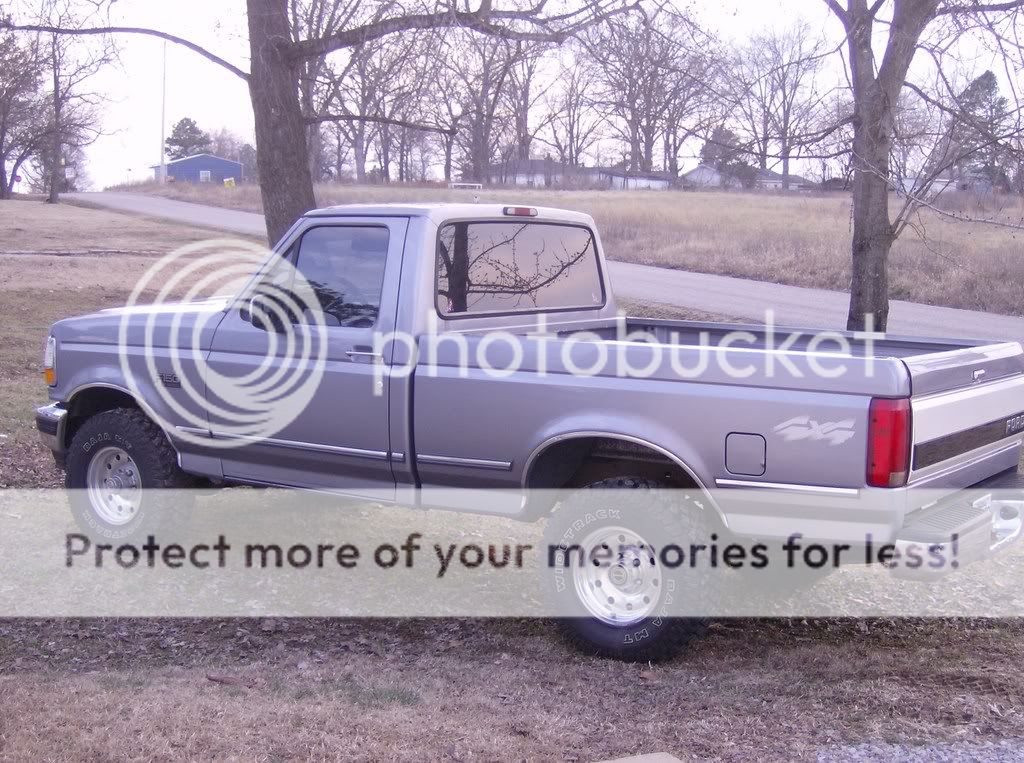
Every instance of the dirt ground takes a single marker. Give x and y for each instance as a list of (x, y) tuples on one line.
[(493, 690), (272, 690), (29, 225)]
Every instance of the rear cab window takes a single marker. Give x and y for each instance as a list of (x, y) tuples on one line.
[(488, 268)]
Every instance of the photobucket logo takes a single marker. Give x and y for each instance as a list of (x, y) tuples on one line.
[(172, 365), (625, 348)]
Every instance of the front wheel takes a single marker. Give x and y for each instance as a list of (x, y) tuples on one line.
[(613, 593), (117, 463)]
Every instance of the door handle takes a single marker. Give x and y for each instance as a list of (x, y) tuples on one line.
[(374, 357)]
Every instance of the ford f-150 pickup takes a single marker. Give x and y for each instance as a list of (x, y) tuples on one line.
[(480, 346)]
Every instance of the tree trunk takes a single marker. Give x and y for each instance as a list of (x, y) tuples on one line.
[(785, 166), (314, 138), (55, 164), (359, 152), (872, 230), (281, 152), (316, 152), (339, 157), (384, 140), (449, 144)]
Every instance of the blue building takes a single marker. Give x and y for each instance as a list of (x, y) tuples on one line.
[(201, 168)]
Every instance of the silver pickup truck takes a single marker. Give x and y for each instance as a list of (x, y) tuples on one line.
[(480, 346)]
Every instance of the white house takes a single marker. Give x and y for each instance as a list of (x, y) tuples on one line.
[(767, 180), (632, 181), (706, 176), (544, 173)]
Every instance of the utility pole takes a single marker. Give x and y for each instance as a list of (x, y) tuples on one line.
[(163, 122)]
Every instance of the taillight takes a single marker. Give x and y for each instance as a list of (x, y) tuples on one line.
[(888, 442)]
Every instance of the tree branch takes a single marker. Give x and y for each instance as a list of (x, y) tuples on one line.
[(837, 9), (952, 10), (481, 20), (128, 30), (380, 120)]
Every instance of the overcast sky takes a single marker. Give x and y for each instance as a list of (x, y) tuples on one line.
[(216, 98)]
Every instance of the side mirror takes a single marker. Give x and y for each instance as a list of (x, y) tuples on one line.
[(260, 311)]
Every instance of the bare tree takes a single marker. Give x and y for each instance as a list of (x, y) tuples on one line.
[(779, 102), (311, 19), (23, 119), (483, 66), (573, 125), (692, 100), (444, 106), (643, 64), (524, 93), (941, 29), (71, 63), (285, 180)]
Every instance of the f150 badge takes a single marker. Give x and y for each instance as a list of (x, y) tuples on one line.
[(170, 379), (806, 428)]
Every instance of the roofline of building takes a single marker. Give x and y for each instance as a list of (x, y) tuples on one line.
[(194, 156)]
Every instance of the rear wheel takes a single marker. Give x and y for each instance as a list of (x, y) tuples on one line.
[(117, 463), (614, 594)]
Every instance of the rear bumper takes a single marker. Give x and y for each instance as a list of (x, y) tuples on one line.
[(963, 530), (51, 421)]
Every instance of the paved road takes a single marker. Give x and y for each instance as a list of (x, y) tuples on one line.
[(793, 306), (246, 223)]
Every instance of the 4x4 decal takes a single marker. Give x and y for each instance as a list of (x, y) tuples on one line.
[(806, 428)]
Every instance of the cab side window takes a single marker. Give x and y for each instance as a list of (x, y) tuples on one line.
[(344, 269)]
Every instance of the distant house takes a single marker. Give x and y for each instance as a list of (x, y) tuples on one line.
[(975, 181), (532, 173), (706, 176), (767, 180), (936, 186), (547, 173), (631, 181), (201, 168)]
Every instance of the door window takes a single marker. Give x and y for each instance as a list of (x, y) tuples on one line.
[(344, 267)]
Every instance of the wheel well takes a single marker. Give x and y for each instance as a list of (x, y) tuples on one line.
[(91, 401), (582, 460)]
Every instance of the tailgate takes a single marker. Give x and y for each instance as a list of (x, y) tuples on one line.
[(968, 412)]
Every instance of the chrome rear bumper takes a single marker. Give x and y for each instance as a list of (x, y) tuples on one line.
[(962, 531)]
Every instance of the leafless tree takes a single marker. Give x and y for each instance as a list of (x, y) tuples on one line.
[(526, 88), (779, 102), (23, 112), (483, 66), (643, 63), (276, 54), (937, 31), (444, 106), (573, 126), (74, 120), (692, 95)]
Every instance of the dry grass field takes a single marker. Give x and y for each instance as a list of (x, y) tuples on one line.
[(134, 690), (803, 240)]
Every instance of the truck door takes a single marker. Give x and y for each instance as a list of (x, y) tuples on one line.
[(335, 435)]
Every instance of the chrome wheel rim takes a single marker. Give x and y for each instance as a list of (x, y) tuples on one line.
[(619, 582), (114, 486)]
